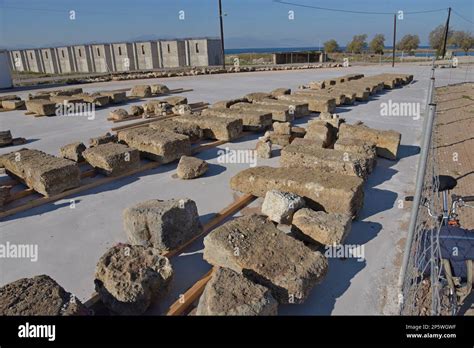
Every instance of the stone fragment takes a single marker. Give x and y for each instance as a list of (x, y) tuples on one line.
[(141, 91), (280, 206), (315, 104), (322, 190), (129, 278), (137, 110), (228, 103), (103, 139), (230, 293), (191, 167), (254, 247), (277, 139), (182, 109), (282, 128), (193, 131), (360, 147), (159, 89), (118, 114), (251, 119), (4, 195), (5, 138), (157, 107), (321, 227), (112, 159), (163, 147), (12, 104), (39, 295), (176, 100), (46, 174), (280, 91), (298, 109), (73, 151), (116, 97), (298, 132), (278, 112), (251, 97), (163, 225), (264, 148), (322, 131), (218, 128)]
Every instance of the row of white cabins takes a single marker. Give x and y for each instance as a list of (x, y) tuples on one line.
[(116, 57)]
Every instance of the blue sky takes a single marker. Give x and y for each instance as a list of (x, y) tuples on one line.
[(249, 23)]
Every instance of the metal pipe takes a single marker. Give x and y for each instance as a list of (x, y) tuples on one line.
[(222, 34), (394, 38), (422, 163)]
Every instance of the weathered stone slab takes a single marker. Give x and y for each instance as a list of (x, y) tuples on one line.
[(317, 85), (387, 142), (103, 139), (321, 227), (46, 174), (264, 148), (141, 91), (328, 191), (94, 98), (191, 167), (163, 225), (231, 293), (254, 247), (333, 119), (356, 93), (298, 132), (73, 151), (280, 91), (280, 206), (251, 97), (278, 112), (251, 119), (219, 128), (13, 104), (40, 295), (157, 107), (277, 139), (66, 91), (321, 130), (6, 138), (116, 97), (310, 142), (159, 89), (333, 161), (129, 278), (61, 99), (163, 147), (137, 110), (339, 97), (282, 128), (315, 104), (193, 131), (41, 107), (176, 100), (298, 109), (112, 159), (228, 103)]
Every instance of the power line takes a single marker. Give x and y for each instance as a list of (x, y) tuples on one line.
[(457, 14)]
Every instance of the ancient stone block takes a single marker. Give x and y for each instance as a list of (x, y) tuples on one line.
[(250, 119), (4, 195), (298, 132), (129, 277), (40, 295), (13, 104), (163, 147), (251, 97), (46, 174), (360, 147), (159, 89), (5, 138), (334, 161), (280, 206), (176, 100), (277, 139), (61, 99), (298, 109), (193, 131), (282, 128), (103, 139), (386, 141), (191, 167), (112, 159), (116, 97), (278, 112), (137, 110), (230, 293), (228, 103), (141, 91), (41, 107), (254, 247), (118, 114), (157, 107), (264, 148), (321, 227), (327, 191), (219, 128), (315, 104), (340, 98), (73, 151), (317, 85), (280, 91), (309, 142), (94, 98), (163, 225), (321, 130)]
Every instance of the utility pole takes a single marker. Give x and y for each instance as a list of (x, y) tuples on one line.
[(222, 34), (394, 38), (446, 31)]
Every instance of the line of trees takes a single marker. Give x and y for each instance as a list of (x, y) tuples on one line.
[(409, 43)]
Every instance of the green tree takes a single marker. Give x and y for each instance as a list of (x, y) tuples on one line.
[(377, 44), (331, 46), (408, 43), (436, 38), (462, 39), (358, 44)]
